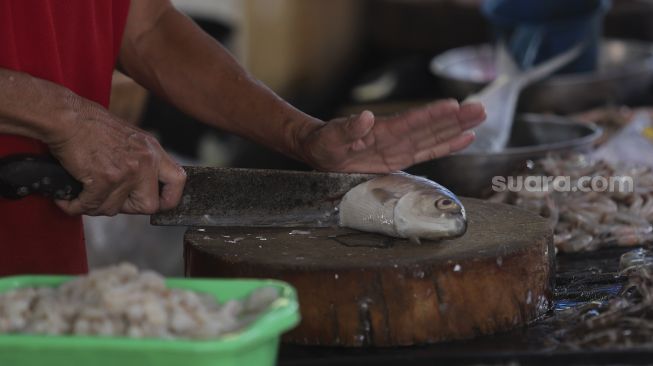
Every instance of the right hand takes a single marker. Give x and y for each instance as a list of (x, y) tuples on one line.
[(120, 166)]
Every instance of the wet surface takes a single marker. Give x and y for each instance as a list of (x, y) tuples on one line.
[(580, 278), (495, 231), (495, 276)]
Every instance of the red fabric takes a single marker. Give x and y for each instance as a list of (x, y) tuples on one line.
[(73, 43)]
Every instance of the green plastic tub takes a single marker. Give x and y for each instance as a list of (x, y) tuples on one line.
[(256, 345)]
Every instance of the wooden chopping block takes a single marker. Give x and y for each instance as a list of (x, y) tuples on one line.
[(359, 289)]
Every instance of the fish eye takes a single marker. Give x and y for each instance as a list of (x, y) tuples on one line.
[(445, 204)]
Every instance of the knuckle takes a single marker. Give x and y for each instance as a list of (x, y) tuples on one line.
[(132, 165), (88, 206), (150, 206), (143, 140), (181, 176), (150, 140), (149, 159), (113, 176)]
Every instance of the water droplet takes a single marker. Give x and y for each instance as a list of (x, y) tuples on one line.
[(201, 230), (336, 276), (499, 261), (529, 297), (457, 268)]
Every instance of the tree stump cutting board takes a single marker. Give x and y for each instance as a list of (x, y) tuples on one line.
[(360, 289)]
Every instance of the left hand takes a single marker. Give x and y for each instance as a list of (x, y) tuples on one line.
[(367, 144)]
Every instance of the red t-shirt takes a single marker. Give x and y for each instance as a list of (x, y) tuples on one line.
[(73, 43)]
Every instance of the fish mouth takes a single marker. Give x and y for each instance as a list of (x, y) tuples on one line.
[(451, 226), (459, 225)]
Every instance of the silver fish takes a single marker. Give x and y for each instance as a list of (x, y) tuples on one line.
[(404, 206)]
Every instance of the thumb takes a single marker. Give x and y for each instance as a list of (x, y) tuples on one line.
[(357, 127)]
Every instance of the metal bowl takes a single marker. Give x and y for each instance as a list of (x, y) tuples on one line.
[(533, 136), (625, 73)]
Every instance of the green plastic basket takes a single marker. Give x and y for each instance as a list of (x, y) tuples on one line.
[(257, 344)]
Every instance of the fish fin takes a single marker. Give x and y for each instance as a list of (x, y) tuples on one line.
[(415, 239), (548, 67), (383, 195), (504, 61)]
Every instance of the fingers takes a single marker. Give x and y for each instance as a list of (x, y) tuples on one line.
[(82, 203), (358, 128), (173, 178), (442, 115), (460, 142), (122, 176), (103, 195), (425, 141), (428, 120), (160, 186), (471, 114), (455, 144), (445, 132), (353, 129), (143, 197), (435, 110)]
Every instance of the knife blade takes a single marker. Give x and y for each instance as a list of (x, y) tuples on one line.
[(259, 198), (22, 175), (211, 197)]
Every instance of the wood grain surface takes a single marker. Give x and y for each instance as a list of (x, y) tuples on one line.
[(359, 289)]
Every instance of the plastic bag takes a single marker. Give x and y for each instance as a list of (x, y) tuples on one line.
[(632, 145)]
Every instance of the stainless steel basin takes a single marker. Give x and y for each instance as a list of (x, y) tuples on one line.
[(533, 136)]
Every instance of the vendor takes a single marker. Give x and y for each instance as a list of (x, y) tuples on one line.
[(56, 62)]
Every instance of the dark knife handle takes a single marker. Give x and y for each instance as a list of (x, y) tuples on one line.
[(22, 175)]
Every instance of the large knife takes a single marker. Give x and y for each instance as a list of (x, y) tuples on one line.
[(254, 197), (212, 196)]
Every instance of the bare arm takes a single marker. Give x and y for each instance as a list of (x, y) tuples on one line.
[(170, 55), (119, 165), (51, 107), (167, 53)]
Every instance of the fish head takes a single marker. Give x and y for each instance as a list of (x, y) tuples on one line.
[(430, 214)]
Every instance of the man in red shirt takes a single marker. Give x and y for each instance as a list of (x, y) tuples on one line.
[(56, 62)]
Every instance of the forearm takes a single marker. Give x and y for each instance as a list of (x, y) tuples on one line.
[(179, 62), (34, 107)]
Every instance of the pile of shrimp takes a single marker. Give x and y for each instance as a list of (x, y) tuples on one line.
[(586, 221), (624, 321), (121, 301)]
